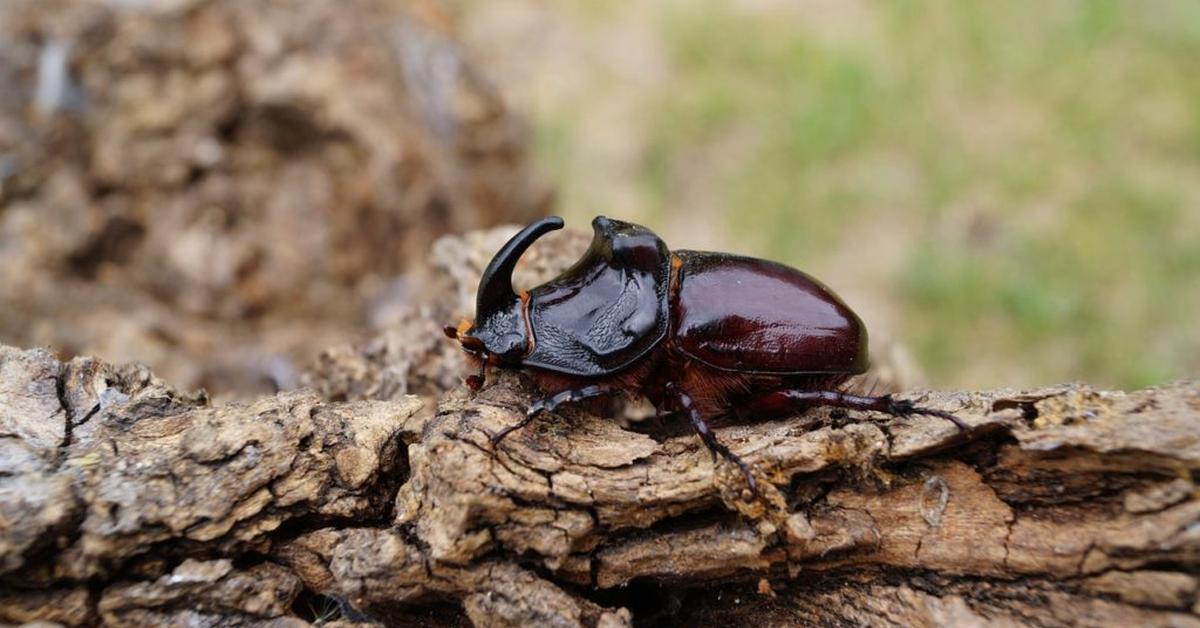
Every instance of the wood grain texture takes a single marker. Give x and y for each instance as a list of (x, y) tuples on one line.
[(125, 502)]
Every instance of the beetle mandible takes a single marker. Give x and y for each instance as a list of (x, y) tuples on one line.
[(692, 331)]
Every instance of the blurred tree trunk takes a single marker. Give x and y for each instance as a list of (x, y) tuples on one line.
[(221, 188)]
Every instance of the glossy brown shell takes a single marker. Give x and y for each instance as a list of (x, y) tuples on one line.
[(755, 316), (606, 311)]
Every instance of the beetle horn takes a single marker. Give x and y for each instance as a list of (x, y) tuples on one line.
[(495, 287)]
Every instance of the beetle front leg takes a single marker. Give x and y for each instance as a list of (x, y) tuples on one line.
[(551, 403), (710, 440), (886, 404)]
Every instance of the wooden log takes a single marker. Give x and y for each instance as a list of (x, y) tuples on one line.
[(125, 502)]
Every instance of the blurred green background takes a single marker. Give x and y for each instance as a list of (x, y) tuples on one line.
[(1008, 191)]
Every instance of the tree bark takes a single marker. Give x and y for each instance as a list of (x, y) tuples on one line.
[(125, 502)]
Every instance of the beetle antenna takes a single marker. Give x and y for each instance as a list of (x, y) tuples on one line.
[(475, 382)]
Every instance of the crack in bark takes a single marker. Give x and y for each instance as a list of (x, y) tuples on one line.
[(603, 508), (60, 388)]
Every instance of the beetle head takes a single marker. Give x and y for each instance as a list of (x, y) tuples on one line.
[(500, 334)]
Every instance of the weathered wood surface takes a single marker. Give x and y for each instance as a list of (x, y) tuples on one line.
[(126, 502)]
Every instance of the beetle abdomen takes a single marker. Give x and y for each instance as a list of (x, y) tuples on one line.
[(755, 316)]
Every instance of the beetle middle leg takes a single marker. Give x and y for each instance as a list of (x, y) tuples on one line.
[(887, 404), (551, 403), (710, 440)]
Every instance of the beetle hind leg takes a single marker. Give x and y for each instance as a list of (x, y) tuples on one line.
[(886, 404)]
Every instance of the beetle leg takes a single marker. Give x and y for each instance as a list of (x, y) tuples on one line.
[(551, 403), (886, 404), (710, 440)]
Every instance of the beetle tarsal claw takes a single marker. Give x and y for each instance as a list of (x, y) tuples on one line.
[(904, 408), (959, 423), (499, 436), (535, 409)]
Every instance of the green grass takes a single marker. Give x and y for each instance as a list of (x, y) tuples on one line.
[(1041, 159), (805, 109)]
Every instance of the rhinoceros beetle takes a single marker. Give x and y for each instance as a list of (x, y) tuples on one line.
[(692, 331)]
